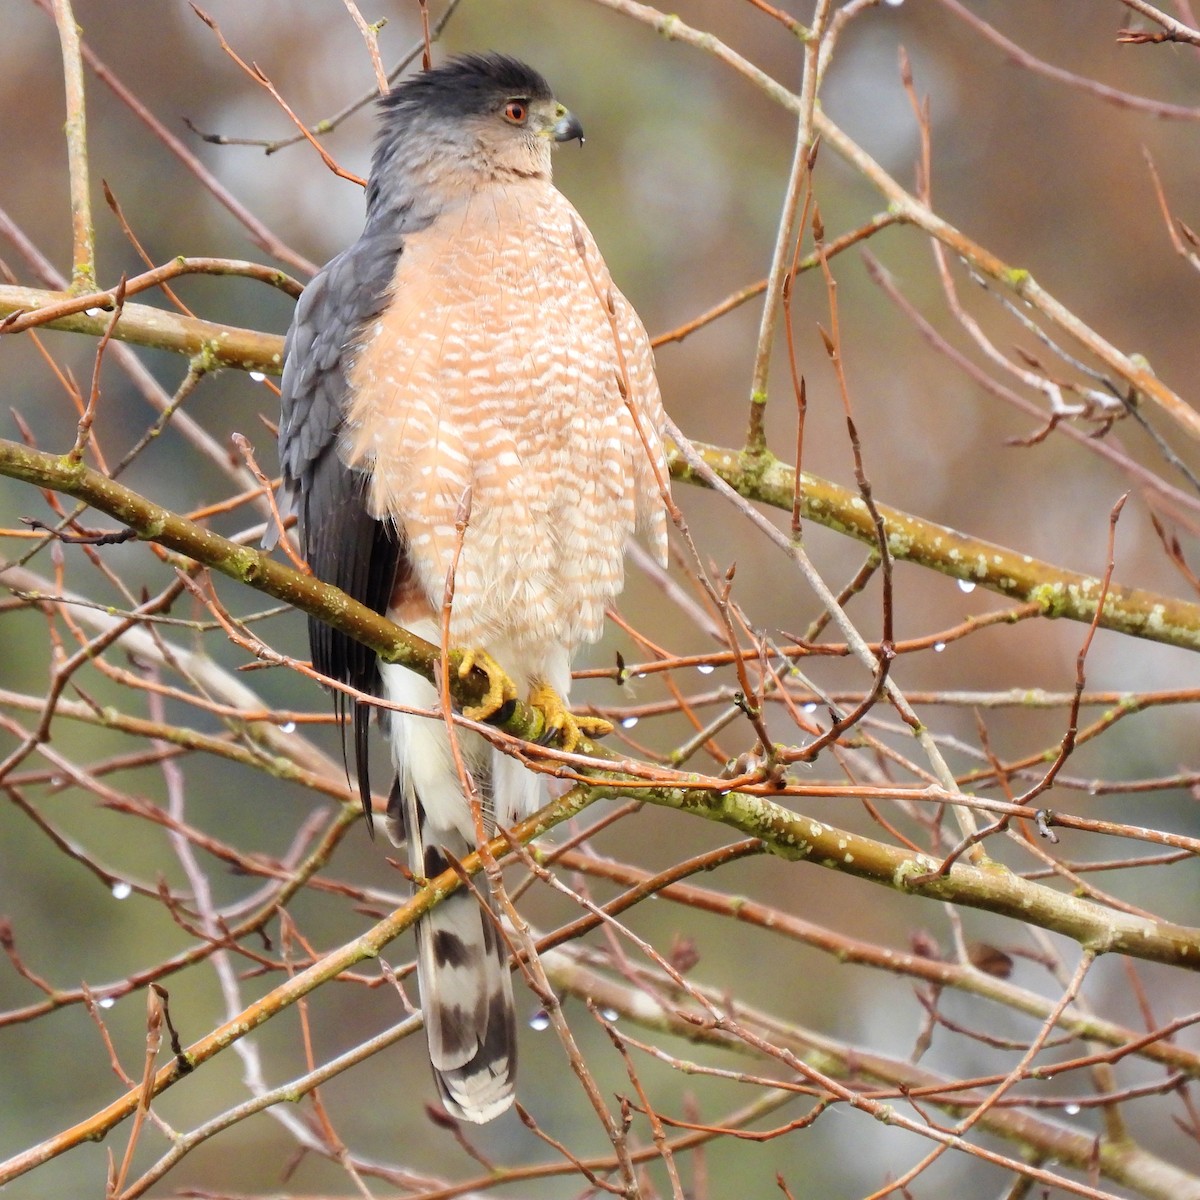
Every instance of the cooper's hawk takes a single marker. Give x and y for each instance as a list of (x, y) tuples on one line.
[(471, 338)]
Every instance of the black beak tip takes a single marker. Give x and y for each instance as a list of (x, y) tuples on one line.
[(569, 130)]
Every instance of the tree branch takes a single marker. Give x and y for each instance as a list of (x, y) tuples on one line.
[(215, 345), (786, 833), (1061, 593)]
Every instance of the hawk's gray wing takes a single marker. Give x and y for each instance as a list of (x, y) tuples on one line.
[(343, 544)]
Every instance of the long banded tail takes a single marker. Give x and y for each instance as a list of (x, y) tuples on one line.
[(462, 958)]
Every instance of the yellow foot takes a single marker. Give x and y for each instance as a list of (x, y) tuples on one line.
[(500, 688), (562, 724)]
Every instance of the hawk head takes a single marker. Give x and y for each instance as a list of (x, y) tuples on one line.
[(479, 114)]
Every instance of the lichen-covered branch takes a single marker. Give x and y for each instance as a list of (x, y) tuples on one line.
[(989, 886), (785, 833), (143, 325), (1059, 592), (153, 523)]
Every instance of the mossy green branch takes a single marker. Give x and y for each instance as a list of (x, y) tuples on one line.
[(989, 886), (783, 831), (1059, 592), (151, 522), (144, 325), (760, 477)]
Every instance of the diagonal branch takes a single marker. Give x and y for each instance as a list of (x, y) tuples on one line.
[(909, 209), (1059, 592), (153, 523), (366, 945), (786, 833)]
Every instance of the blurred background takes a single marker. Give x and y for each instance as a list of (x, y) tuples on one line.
[(681, 180)]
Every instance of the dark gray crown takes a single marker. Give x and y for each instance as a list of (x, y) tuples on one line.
[(469, 85)]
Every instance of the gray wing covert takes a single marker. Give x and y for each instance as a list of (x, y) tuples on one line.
[(343, 544)]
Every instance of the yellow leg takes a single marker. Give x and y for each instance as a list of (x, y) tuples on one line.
[(568, 727), (500, 688)]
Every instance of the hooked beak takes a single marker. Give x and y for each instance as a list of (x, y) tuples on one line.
[(567, 128)]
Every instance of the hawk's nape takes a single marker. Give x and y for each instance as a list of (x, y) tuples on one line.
[(471, 338)]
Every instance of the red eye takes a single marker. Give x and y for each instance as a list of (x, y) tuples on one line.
[(516, 111)]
